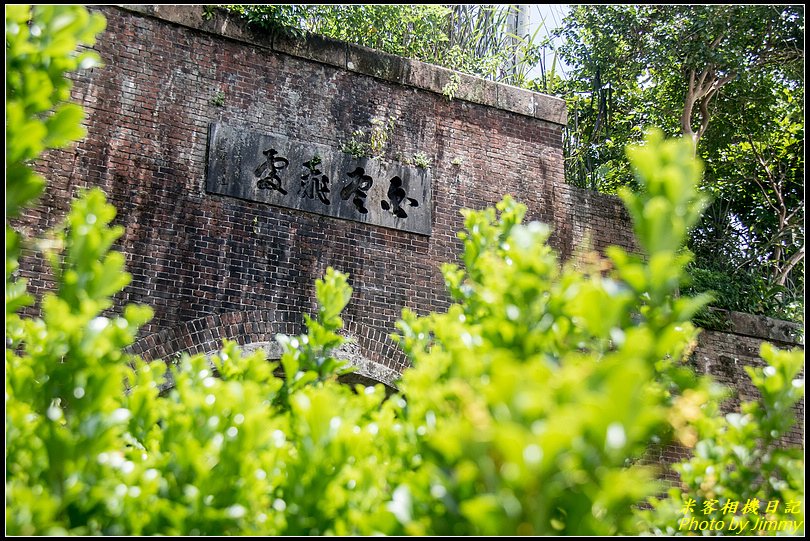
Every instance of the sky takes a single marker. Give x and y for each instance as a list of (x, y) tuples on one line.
[(552, 16)]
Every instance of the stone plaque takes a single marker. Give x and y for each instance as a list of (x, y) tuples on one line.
[(316, 178)]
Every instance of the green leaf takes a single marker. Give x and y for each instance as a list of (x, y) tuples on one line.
[(64, 126)]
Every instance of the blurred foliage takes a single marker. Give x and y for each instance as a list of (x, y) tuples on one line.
[(539, 390), (37, 115), (530, 403), (738, 458)]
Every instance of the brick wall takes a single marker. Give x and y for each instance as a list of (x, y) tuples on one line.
[(725, 354), (212, 266), (215, 267)]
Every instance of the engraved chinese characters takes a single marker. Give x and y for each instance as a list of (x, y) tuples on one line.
[(268, 171), (316, 178), (314, 182), (358, 187), (397, 196)]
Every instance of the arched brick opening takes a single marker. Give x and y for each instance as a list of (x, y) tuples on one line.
[(375, 355)]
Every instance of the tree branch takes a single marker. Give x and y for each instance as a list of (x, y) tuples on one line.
[(793, 213), (688, 105), (700, 91), (761, 160), (794, 260)]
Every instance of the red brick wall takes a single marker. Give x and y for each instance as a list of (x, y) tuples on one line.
[(725, 354), (196, 256)]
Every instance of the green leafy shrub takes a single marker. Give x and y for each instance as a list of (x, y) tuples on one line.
[(372, 144), (529, 405), (741, 291), (37, 115), (421, 160), (356, 146), (380, 132), (92, 445), (738, 462), (449, 90), (219, 99), (537, 390)]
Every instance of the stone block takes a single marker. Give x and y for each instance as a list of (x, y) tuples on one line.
[(312, 47), (316, 178), (550, 108), (512, 98), (387, 67)]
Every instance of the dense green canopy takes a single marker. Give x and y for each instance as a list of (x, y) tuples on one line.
[(729, 77)]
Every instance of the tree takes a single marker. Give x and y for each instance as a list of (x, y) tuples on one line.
[(680, 67), (693, 52)]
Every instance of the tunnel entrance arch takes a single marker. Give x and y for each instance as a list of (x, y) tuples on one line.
[(257, 329)]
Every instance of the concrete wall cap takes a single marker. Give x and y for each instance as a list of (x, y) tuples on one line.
[(366, 61)]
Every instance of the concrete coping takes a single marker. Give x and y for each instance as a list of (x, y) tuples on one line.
[(387, 67), (762, 327)]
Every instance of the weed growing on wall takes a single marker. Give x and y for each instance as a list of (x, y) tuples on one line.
[(373, 143), (219, 99), (451, 88), (356, 146)]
